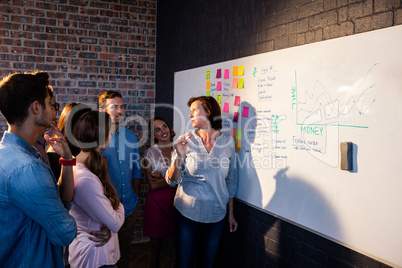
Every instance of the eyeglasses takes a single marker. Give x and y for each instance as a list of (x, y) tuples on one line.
[(56, 106)]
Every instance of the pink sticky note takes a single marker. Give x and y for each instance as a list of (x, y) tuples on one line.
[(219, 73), (245, 111), (234, 83), (233, 132), (236, 117), (226, 75), (237, 101), (219, 86), (226, 107)]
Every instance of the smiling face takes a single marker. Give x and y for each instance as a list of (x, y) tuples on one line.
[(161, 131), (198, 115)]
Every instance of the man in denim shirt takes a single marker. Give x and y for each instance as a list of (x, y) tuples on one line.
[(124, 169), (34, 222)]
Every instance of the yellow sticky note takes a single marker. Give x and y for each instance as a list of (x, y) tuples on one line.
[(241, 83), (241, 70), (218, 98), (208, 93), (235, 70), (208, 84), (238, 145)]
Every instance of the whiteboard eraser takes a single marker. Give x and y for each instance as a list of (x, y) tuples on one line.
[(346, 155)]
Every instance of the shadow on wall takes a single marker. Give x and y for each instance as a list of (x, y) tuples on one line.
[(264, 240)]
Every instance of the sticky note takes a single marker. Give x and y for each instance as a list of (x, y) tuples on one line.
[(234, 83), (235, 70), (208, 93), (208, 84), (233, 132), (226, 75), (241, 70), (241, 83), (219, 86), (226, 107), (238, 134), (208, 75), (238, 145), (236, 117), (237, 101), (245, 111), (219, 73), (219, 98)]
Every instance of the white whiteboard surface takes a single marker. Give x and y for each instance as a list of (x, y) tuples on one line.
[(303, 102)]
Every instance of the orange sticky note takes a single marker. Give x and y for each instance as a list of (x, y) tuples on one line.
[(234, 83), (235, 70), (238, 145), (208, 84)]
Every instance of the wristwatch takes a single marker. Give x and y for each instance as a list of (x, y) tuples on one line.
[(66, 162)]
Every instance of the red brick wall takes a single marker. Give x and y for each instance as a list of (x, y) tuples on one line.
[(87, 47)]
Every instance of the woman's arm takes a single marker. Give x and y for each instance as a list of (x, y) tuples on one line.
[(180, 149), (154, 178), (232, 221)]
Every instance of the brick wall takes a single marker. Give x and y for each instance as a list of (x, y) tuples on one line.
[(87, 47), (202, 32)]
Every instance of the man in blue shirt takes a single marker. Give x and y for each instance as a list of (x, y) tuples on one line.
[(35, 223), (124, 169)]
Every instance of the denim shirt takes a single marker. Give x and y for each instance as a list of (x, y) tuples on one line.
[(123, 159), (207, 179), (34, 222)]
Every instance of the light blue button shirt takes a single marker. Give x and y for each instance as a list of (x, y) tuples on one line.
[(207, 180), (34, 223), (123, 159)]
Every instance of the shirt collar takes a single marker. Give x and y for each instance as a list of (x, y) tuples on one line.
[(12, 138)]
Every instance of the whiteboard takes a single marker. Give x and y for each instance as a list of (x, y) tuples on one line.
[(295, 106)]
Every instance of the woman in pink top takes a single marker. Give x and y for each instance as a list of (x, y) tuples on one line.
[(96, 202)]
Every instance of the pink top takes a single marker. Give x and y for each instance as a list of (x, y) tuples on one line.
[(91, 208)]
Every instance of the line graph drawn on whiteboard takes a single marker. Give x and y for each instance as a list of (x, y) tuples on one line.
[(316, 105), (319, 115)]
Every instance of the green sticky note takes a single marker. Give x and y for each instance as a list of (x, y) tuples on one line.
[(238, 134), (208, 93), (208, 75), (219, 98)]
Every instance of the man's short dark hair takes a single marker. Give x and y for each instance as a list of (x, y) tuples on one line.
[(213, 109), (18, 91), (108, 94)]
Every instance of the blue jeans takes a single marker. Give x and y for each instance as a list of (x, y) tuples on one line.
[(192, 237)]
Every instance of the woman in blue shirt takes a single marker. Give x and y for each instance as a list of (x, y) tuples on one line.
[(203, 168)]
